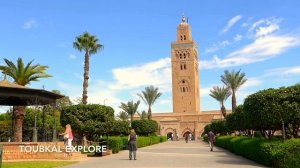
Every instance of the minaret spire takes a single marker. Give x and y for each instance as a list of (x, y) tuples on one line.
[(183, 20)]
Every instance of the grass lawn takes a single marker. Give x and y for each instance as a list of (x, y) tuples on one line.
[(36, 164)]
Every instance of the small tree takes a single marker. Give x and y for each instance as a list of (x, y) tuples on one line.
[(234, 80), (123, 116), (221, 94), (92, 120), (130, 108), (145, 127), (149, 96)]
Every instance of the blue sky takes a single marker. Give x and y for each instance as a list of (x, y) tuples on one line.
[(262, 38)]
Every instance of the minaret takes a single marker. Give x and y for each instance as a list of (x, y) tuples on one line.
[(185, 77)]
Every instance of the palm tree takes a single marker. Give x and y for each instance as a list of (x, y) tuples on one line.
[(22, 75), (221, 94), (130, 108), (143, 115), (149, 96), (234, 80), (89, 44), (123, 116)]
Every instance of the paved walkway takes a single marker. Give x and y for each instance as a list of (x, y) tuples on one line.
[(171, 154)]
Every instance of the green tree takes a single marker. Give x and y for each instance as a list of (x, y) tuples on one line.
[(120, 128), (264, 111), (22, 74), (220, 94), (237, 120), (145, 127), (65, 101), (130, 108), (149, 96), (234, 80), (92, 120), (90, 45), (123, 116)]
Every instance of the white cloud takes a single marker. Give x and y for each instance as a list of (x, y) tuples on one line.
[(231, 22), (156, 73), (261, 49), (72, 56), (251, 82), (30, 24), (237, 37), (264, 27), (130, 80), (217, 46), (165, 101), (262, 31), (204, 91), (284, 71)]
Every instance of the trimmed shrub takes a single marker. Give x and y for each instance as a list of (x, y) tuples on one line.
[(121, 143), (205, 138), (270, 152), (287, 154), (143, 141), (154, 140), (163, 138), (125, 143), (114, 143)]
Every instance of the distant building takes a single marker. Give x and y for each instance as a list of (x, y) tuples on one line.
[(186, 117)]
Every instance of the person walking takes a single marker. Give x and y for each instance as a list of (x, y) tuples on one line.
[(68, 138), (211, 140), (186, 138), (132, 146)]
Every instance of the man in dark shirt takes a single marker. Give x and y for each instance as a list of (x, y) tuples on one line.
[(211, 140)]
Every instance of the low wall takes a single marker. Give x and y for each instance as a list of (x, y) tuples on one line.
[(12, 151)]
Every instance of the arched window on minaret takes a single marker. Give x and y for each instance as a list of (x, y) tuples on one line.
[(184, 66), (181, 38), (183, 89), (184, 37), (180, 56)]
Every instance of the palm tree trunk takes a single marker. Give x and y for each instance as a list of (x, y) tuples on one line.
[(149, 113), (223, 110), (86, 77), (131, 119), (233, 100), (19, 112)]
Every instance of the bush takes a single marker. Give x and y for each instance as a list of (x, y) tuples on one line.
[(114, 143), (154, 140), (121, 143), (205, 138), (163, 138), (120, 128), (143, 141), (287, 154), (145, 127), (268, 152)]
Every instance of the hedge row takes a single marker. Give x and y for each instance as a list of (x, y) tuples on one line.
[(268, 152), (121, 143)]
